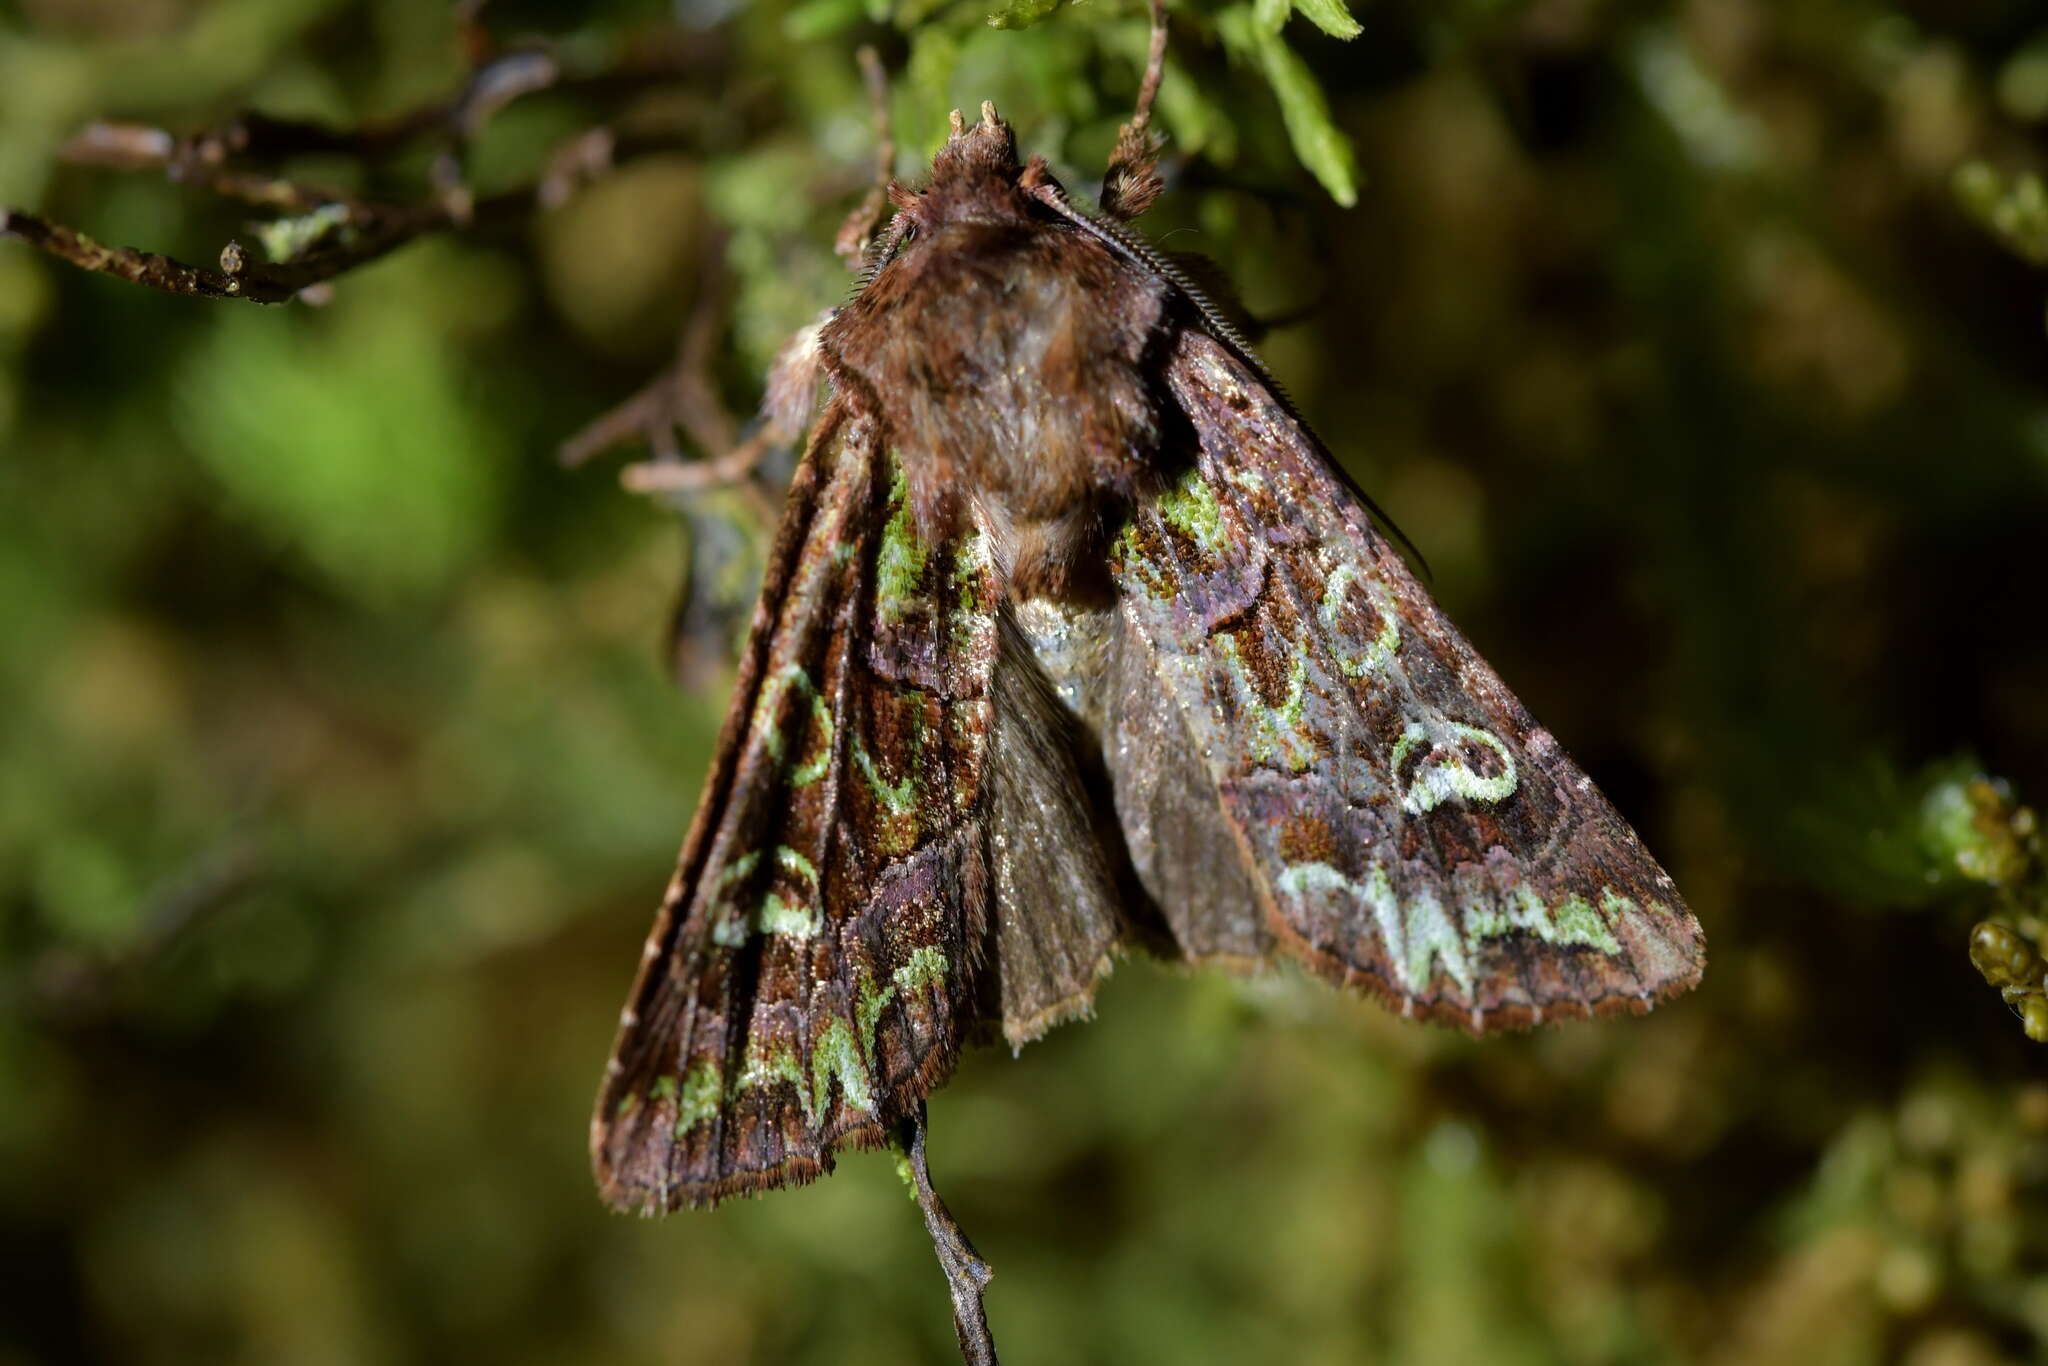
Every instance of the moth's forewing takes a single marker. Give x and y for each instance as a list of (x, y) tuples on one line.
[(812, 971), (1406, 826)]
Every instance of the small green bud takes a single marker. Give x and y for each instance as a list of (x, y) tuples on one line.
[(2034, 1017), (2004, 957), (1972, 826)]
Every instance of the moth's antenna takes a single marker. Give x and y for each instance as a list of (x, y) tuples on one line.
[(1124, 241), (1132, 181), (878, 254)]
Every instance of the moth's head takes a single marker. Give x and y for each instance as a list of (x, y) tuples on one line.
[(975, 179), (976, 152)]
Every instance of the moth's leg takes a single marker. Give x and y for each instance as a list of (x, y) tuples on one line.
[(967, 1275), (868, 219), (1132, 181)]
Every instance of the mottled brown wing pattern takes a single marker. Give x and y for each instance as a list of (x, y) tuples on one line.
[(811, 973), (1410, 827)]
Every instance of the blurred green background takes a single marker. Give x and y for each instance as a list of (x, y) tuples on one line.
[(1698, 343)]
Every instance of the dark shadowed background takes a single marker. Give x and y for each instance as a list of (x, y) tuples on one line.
[(1696, 344)]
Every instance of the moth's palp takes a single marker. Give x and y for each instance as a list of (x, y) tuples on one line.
[(1131, 181)]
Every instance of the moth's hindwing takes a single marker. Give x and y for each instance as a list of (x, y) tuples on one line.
[(812, 971), (1403, 823)]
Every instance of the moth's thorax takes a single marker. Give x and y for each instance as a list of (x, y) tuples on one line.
[(1006, 356), (970, 197)]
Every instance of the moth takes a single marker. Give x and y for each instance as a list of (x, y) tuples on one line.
[(1075, 641)]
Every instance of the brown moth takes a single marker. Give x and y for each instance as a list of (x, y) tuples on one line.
[(1074, 640)]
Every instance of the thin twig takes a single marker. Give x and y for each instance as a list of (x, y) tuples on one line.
[(873, 211), (1155, 69), (327, 232), (644, 416), (967, 1275), (684, 394), (681, 394), (471, 31), (699, 409), (1132, 181), (356, 237), (249, 139), (576, 163), (139, 147), (124, 263), (680, 476), (259, 140), (490, 88), (66, 984)]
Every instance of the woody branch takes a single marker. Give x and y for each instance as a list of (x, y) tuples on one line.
[(331, 231)]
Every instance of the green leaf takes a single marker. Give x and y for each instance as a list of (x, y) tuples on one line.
[(1331, 16), (1317, 141), (287, 239), (2017, 211), (389, 499), (1199, 124), (1271, 15), (86, 891), (816, 19), (927, 87), (1023, 13)]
